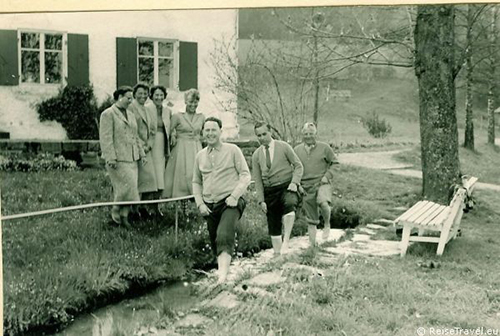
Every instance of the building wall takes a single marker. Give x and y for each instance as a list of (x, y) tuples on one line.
[(202, 26)]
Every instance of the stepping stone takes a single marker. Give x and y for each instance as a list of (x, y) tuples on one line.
[(375, 226), (358, 237), (335, 235), (384, 222), (192, 320), (266, 279), (367, 231), (257, 291), (224, 300), (372, 247)]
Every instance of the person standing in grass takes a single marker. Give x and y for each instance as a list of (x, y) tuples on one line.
[(161, 148), (146, 130), (121, 151), (319, 161), (277, 172), (220, 178)]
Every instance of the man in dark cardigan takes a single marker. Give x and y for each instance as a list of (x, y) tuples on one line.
[(277, 172)]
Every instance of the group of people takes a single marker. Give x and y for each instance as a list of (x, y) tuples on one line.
[(218, 175), (149, 152)]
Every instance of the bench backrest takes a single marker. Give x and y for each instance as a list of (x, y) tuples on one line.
[(456, 208)]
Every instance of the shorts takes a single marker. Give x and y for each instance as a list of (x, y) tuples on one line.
[(315, 196), (279, 201)]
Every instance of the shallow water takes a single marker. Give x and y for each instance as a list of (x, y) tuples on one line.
[(130, 315)]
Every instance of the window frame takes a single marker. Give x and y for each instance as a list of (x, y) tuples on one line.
[(64, 51), (175, 55)]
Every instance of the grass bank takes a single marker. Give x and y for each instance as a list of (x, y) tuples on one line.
[(60, 265), (361, 295)]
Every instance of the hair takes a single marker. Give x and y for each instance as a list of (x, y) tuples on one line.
[(191, 92), (141, 85), (217, 120), (308, 125), (259, 124), (153, 89), (121, 91)]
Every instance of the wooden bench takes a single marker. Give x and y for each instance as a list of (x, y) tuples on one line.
[(434, 217)]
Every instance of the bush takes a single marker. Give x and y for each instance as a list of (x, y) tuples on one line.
[(40, 162), (378, 128), (76, 108)]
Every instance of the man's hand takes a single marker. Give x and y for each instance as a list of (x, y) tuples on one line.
[(173, 141), (111, 164), (263, 206), (144, 161), (231, 202), (292, 187), (204, 210), (324, 180)]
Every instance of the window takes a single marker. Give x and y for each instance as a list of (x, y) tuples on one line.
[(42, 57), (157, 62)]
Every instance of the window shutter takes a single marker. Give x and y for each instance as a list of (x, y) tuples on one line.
[(188, 65), (126, 61), (9, 64), (78, 59)]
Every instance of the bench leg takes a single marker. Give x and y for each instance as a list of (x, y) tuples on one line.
[(405, 239), (443, 239)]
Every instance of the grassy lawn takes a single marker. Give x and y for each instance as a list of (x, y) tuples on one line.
[(385, 296), (482, 163), (59, 265)]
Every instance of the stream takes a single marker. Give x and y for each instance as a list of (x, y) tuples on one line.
[(129, 315)]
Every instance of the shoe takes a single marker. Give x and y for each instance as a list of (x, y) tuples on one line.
[(125, 222)]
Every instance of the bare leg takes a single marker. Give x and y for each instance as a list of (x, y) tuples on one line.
[(311, 229), (288, 221), (326, 212), (276, 241), (223, 261)]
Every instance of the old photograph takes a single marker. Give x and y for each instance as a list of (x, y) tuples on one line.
[(320, 170)]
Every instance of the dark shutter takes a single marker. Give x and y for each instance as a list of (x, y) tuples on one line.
[(9, 64), (78, 59), (188, 64), (126, 61)]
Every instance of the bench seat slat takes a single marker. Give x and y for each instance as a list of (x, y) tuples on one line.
[(433, 215), (439, 220), (421, 211), (431, 212), (410, 211)]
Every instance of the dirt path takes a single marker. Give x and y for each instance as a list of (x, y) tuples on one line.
[(386, 161)]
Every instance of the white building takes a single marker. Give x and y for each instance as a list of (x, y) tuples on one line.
[(40, 53)]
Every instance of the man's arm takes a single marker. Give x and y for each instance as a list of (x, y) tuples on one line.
[(333, 162), (257, 176), (197, 182), (298, 168), (244, 173)]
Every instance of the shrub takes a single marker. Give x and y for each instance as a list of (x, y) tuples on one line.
[(40, 162), (76, 108), (378, 128)]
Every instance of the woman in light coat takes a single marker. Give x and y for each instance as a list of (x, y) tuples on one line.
[(121, 151)]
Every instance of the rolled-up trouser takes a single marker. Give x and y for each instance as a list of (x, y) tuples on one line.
[(316, 194), (279, 201), (222, 223)]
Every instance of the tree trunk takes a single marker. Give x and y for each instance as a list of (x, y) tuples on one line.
[(316, 82), (491, 77), (469, 124), (434, 67)]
